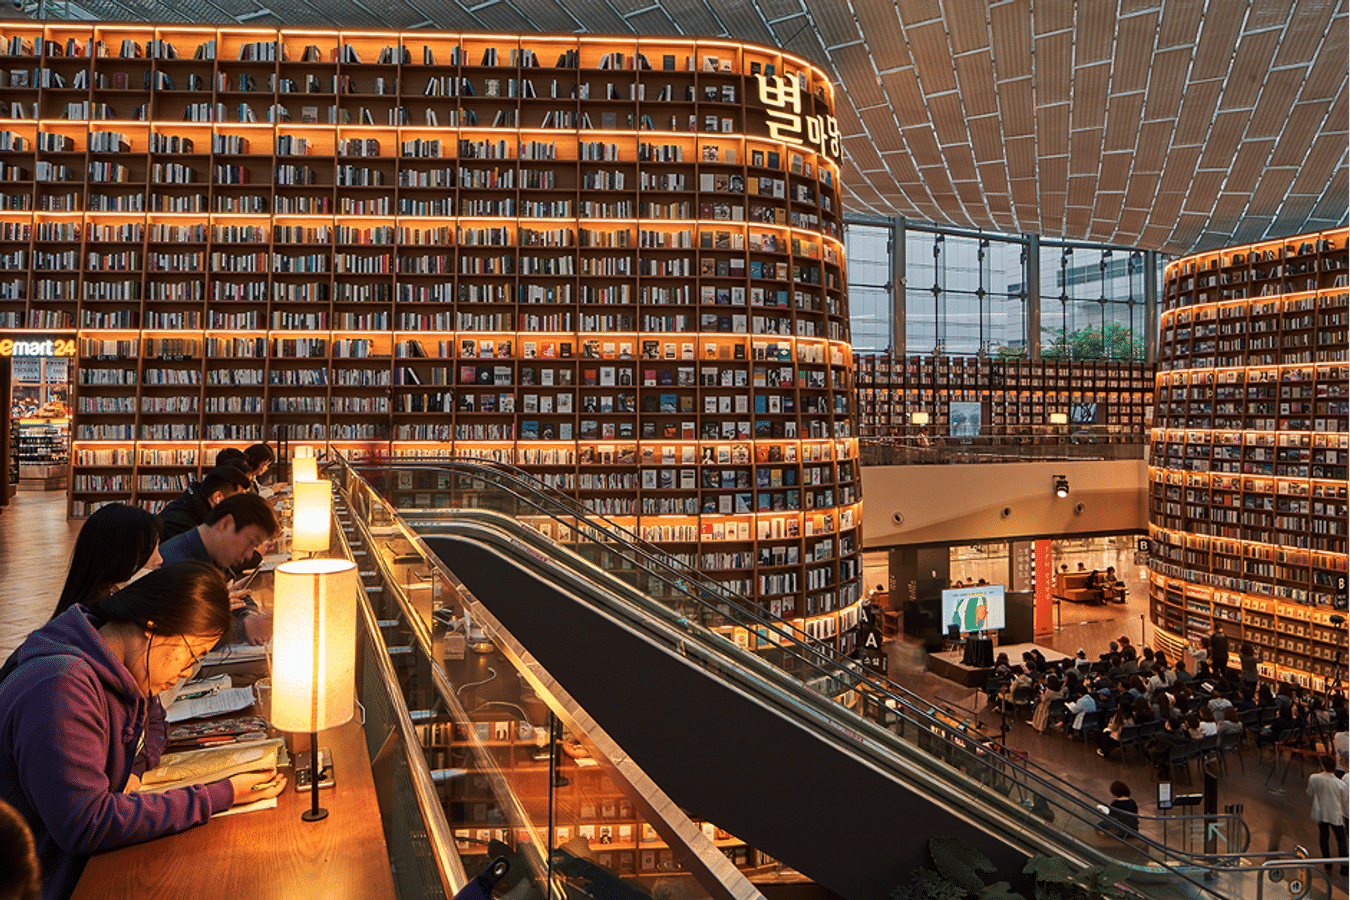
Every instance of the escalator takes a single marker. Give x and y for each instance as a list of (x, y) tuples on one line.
[(824, 766)]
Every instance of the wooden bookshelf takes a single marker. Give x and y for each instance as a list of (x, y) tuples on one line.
[(564, 252), (1017, 397), (1248, 473)]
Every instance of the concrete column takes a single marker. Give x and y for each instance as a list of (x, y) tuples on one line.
[(1033, 310), (1151, 312), (897, 282)]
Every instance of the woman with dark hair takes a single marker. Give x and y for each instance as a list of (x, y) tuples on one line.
[(20, 874), (1247, 656), (114, 543), (74, 710), (260, 458)]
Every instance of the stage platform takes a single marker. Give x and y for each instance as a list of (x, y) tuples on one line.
[(948, 665)]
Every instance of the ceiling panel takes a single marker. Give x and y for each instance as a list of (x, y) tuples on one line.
[(1094, 33), (1023, 93), (967, 27), (881, 29), (1243, 86), (1278, 98), (1010, 24), (1134, 47), (1218, 36), (1089, 95), (1179, 25), (1054, 68), (1168, 70), (1122, 124), (975, 74), (932, 56), (1303, 31), (948, 118)]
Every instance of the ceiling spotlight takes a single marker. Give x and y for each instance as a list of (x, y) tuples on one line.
[(1061, 486)]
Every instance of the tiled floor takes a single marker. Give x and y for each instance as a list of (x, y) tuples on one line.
[(35, 543)]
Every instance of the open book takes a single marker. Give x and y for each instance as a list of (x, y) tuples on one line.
[(190, 767)]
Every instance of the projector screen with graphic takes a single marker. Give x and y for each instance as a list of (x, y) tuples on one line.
[(974, 608)]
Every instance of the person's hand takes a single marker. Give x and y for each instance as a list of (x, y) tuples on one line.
[(133, 785), (237, 599), (258, 628), (244, 784)]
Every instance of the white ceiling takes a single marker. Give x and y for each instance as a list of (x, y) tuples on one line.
[(1173, 125)]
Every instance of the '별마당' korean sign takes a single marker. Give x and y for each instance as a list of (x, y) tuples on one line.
[(782, 98)]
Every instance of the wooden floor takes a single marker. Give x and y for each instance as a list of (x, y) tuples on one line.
[(35, 543)]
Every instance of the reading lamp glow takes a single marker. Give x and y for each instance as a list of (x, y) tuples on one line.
[(918, 418), (314, 654), (1059, 419), (1061, 487), (304, 468), (312, 521)]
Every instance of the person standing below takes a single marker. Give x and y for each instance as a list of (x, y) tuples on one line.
[(1329, 809), (1247, 656), (1218, 653)]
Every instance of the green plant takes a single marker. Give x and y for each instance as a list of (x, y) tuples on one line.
[(959, 871)]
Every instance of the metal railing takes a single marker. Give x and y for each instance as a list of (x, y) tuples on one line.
[(416, 702), (699, 608), (912, 450)]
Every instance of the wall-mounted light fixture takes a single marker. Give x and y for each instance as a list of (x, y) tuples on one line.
[(1061, 487)]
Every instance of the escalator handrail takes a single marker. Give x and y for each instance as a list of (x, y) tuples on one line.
[(797, 692), (1052, 784), (1089, 811), (916, 704)]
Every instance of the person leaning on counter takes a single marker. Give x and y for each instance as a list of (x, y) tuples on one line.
[(234, 528), (73, 714)]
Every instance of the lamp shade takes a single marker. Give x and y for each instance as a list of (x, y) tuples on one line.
[(304, 468), (312, 521), (314, 644)]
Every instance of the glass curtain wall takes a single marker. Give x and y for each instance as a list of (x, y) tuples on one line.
[(967, 294), (868, 255), (1092, 302)]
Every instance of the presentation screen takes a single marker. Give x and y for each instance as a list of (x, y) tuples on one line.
[(974, 608)]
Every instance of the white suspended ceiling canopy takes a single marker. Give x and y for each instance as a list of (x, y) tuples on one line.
[(1172, 125)]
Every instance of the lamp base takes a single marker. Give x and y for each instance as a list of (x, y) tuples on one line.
[(304, 769), (313, 815)]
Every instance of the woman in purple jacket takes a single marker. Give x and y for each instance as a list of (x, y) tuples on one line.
[(73, 715)]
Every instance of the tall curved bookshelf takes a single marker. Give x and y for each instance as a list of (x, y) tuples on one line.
[(1248, 466), (614, 261)]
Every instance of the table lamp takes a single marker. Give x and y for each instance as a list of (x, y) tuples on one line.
[(304, 468), (314, 655), (312, 519)]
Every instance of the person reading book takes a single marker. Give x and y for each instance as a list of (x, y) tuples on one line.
[(114, 543), (74, 710), (234, 528)]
